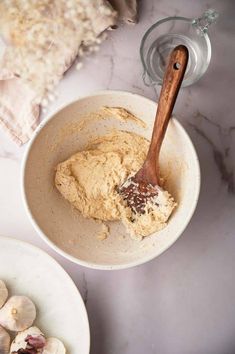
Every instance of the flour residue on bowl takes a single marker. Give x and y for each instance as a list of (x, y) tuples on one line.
[(104, 113), (89, 179), (104, 232)]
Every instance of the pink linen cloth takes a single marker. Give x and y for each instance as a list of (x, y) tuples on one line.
[(19, 115)]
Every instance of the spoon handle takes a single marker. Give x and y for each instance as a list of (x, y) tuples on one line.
[(171, 84)]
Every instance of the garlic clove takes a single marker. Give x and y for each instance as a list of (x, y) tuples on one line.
[(18, 313), (4, 341), (3, 293), (54, 346), (20, 341)]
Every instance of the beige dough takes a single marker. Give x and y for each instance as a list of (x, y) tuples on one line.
[(90, 178)]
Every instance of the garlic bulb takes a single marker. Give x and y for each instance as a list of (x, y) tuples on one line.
[(26, 338), (4, 341), (3, 293), (54, 346), (18, 313)]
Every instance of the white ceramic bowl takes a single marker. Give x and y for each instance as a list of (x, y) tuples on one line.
[(68, 232)]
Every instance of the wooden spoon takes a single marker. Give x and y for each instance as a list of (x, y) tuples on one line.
[(141, 188)]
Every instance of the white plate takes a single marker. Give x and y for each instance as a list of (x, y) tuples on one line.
[(29, 271)]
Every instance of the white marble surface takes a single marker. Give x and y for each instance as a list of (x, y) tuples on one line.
[(184, 301)]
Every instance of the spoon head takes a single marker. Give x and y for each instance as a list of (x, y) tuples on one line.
[(138, 194)]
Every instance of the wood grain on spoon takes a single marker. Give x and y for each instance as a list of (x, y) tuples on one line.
[(140, 188)]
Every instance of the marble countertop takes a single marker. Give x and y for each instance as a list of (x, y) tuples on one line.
[(183, 302)]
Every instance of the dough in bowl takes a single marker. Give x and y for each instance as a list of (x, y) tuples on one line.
[(89, 181)]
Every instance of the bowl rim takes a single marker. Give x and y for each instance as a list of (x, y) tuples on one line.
[(92, 265)]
